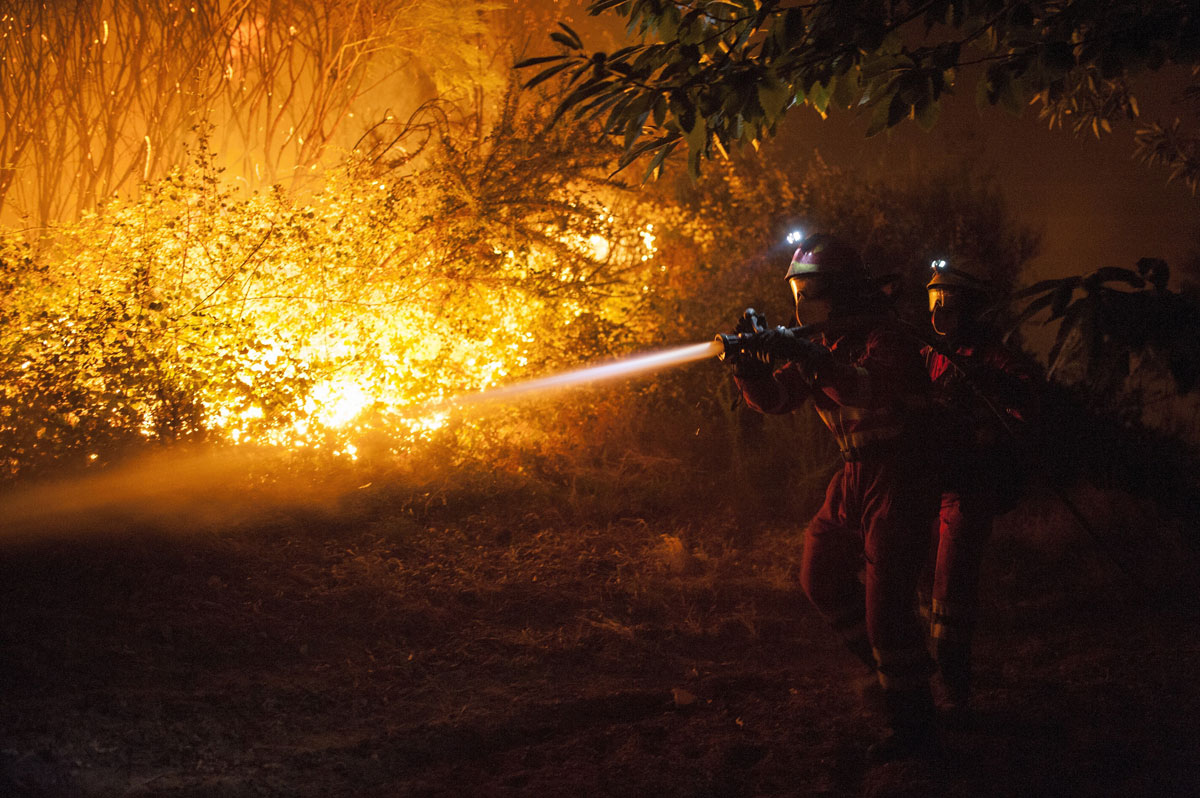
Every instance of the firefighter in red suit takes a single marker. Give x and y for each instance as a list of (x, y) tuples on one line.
[(867, 380), (985, 391)]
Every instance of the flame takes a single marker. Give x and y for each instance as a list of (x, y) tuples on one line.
[(315, 340), (337, 403)]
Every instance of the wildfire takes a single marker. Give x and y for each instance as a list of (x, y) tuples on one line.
[(338, 324), (381, 365)]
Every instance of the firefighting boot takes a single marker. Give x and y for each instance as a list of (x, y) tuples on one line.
[(954, 664), (860, 647), (912, 733), (851, 626)]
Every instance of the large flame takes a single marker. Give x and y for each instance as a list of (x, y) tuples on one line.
[(402, 368)]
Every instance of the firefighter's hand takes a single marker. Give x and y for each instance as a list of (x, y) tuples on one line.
[(749, 362), (751, 322), (781, 343)]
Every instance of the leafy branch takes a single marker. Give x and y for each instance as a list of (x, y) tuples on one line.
[(1110, 318), (720, 74)]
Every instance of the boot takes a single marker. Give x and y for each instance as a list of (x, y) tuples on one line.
[(860, 647), (953, 660), (912, 733)]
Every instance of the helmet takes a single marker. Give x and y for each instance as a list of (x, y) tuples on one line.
[(956, 296), (956, 280), (825, 256), (828, 279)]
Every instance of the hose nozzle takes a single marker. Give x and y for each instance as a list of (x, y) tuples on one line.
[(733, 344)]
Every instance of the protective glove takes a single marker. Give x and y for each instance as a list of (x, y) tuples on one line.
[(748, 363), (751, 322), (781, 344)]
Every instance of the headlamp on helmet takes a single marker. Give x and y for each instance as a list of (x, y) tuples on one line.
[(823, 273), (828, 257), (946, 279)]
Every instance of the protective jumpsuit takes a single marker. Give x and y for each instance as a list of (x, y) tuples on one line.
[(984, 391), (878, 507)]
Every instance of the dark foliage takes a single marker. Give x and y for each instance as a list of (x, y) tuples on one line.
[(1115, 321), (718, 74)]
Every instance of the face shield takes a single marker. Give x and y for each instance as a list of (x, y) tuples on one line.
[(937, 297), (811, 294), (943, 310)]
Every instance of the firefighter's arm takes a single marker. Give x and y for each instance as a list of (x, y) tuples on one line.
[(887, 369), (765, 388), (782, 391), (1017, 382)]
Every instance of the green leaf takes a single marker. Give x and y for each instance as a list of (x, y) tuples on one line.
[(879, 118), (697, 136), (694, 164), (659, 110), (686, 113), (927, 113), (633, 128), (1004, 90), (848, 88), (1043, 285), (774, 97), (897, 109), (1069, 323), (582, 92), (1032, 309), (564, 40), (1060, 300), (658, 162), (1112, 274), (819, 96)]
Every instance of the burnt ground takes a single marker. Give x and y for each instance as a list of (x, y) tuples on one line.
[(389, 657)]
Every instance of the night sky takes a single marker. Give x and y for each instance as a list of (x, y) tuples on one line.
[(1094, 203)]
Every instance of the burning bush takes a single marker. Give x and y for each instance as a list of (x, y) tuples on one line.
[(331, 322)]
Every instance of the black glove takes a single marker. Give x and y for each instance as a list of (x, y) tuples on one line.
[(751, 322), (781, 343), (748, 363)]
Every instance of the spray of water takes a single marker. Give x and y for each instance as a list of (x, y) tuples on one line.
[(624, 367)]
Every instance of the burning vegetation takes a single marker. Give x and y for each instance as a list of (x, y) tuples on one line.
[(255, 241)]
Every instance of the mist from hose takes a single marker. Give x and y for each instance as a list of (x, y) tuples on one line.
[(197, 489), (624, 367)]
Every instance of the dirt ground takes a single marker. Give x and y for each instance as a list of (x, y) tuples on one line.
[(389, 656)]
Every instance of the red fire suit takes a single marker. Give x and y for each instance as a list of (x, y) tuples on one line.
[(985, 392), (879, 505)]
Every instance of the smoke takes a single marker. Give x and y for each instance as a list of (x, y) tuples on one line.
[(182, 490)]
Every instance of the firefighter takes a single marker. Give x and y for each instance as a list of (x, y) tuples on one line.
[(867, 380), (985, 391)]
